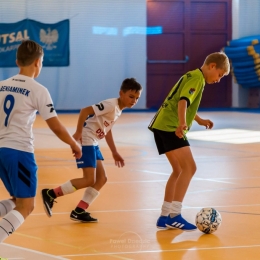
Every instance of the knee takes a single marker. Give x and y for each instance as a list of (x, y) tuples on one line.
[(193, 169), (176, 174), (102, 180), (25, 209), (88, 182), (190, 169), (30, 209)]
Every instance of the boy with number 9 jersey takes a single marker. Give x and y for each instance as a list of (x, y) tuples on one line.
[(20, 98), (100, 120)]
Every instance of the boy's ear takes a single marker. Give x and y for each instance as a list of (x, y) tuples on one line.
[(36, 62), (212, 65)]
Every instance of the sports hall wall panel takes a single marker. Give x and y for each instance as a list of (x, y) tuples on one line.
[(107, 44)]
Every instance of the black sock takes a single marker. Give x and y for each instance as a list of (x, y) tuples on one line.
[(79, 210), (52, 194)]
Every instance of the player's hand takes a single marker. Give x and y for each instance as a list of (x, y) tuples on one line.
[(180, 131), (207, 123), (76, 150), (78, 137), (119, 161)]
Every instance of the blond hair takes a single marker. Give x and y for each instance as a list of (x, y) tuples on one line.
[(221, 60)]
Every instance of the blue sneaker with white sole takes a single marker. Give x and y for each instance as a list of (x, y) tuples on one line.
[(180, 223), (161, 222)]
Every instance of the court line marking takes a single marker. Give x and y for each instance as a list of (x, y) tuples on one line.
[(194, 178), (244, 213), (32, 251), (158, 209), (169, 250), (47, 240)]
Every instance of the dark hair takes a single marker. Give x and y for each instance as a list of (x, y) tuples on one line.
[(130, 84), (28, 52)]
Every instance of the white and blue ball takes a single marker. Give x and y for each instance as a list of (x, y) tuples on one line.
[(208, 220)]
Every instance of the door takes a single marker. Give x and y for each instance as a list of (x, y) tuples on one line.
[(191, 30)]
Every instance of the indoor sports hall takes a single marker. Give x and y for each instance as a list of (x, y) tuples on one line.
[(90, 48)]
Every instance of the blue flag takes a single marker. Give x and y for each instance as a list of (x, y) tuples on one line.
[(54, 38)]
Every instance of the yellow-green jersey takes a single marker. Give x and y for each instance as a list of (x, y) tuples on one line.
[(189, 87)]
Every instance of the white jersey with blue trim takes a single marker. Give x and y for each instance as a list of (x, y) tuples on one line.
[(20, 99), (98, 125)]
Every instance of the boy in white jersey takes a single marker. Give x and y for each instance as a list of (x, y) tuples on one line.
[(169, 126), (20, 98), (94, 123)]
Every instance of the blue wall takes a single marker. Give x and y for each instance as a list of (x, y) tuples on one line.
[(107, 44)]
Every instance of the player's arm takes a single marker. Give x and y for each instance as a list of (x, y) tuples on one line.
[(119, 161), (182, 107), (61, 132), (205, 122), (83, 115)]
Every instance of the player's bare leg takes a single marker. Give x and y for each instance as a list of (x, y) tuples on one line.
[(188, 169), (101, 177)]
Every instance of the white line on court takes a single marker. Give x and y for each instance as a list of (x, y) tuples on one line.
[(214, 180), (170, 250), (27, 254), (194, 178), (158, 209), (159, 173)]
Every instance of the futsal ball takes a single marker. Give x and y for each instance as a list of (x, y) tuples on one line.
[(208, 220)]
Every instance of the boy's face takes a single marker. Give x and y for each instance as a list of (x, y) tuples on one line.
[(214, 75), (129, 98)]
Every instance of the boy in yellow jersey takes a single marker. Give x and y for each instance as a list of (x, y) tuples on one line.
[(170, 125)]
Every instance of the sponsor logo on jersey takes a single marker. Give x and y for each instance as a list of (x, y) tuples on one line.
[(21, 80), (164, 105), (51, 107), (192, 90), (100, 106), (100, 133)]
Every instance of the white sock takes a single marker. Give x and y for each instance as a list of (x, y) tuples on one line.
[(6, 206), (10, 223), (90, 195), (67, 188), (166, 208), (175, 209)]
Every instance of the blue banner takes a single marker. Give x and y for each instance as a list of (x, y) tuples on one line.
[(54, 38)]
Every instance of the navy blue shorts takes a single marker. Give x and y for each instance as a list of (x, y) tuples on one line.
[(168, 141), (18, 171), (90, 155)]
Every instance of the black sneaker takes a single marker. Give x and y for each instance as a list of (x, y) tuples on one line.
[(82, 217), (47, 202)]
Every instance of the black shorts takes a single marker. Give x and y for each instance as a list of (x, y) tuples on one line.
[(168, 141)]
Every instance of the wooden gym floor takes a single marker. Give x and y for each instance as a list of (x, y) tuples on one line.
[(228, 178)]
